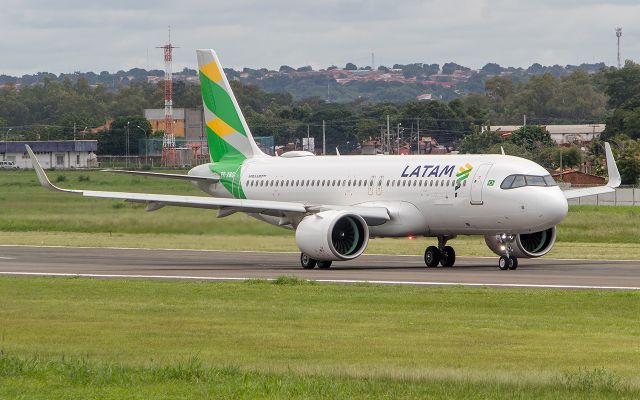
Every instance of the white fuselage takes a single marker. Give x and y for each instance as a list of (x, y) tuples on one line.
[(422, 193)]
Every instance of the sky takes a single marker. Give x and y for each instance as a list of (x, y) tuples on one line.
[(79, 35)]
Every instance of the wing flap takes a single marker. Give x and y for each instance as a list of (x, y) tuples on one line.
[(191, 178)]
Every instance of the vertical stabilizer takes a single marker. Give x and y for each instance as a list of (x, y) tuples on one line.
[(228, 134)]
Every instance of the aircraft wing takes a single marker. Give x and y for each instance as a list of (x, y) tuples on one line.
[(372, 215), (614, 179), (168, 176)]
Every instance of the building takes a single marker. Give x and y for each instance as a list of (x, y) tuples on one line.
[(187, 122), (561, 134), (577, 178), (61, 154)]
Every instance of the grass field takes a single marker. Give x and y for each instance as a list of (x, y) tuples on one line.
[(79, 338), (29, 214)]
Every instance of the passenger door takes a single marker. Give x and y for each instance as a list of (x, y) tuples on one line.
[(478, 183)]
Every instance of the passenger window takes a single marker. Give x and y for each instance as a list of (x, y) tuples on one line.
[(387, 182)]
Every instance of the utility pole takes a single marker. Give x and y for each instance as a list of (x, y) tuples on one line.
[(388, 136), (618, 35), (399, 138), (127, 146), (524, 120), (6, 137), (308, 140), (74, 131), (418, 121), (324, 140)]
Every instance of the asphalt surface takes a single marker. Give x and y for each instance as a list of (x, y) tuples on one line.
[(220, 265)]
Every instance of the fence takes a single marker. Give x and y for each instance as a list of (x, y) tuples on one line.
[(625, 196)]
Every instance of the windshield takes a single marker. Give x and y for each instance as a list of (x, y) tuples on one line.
[(516, 181)]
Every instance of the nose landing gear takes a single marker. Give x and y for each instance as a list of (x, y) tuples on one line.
[(443, 254), (507, 261)]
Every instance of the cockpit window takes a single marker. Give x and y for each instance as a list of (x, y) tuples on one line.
[(516, 181), (533, 180)]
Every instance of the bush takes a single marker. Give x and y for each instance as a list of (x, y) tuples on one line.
[(61, 178), (84, 178)]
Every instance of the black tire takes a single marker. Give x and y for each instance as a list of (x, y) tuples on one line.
[(504, 262), (432, 256), (514, 263), (307, 262), (448, 257), (324, 264)]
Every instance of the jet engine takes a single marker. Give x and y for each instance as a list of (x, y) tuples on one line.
[(332, 235), (525, 245)]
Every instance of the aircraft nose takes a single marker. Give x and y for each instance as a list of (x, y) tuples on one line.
[(555, 207)]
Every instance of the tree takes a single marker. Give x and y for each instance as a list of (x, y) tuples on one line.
[(286, 69), (498, 88), (350, 67), (571, 157), (114, 141), (492, 69), (478, 143), (532, 138)]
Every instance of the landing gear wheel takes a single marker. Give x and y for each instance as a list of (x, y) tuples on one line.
[(514, 262), (307, 262), (432, 256), (504, 263), (448, 257), (324, 264)]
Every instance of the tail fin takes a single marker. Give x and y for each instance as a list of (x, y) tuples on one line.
[(228, 134)]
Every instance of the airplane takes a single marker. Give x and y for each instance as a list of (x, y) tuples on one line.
[(336, 204)]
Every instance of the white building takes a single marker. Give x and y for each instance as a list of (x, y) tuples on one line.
[(561, 134), (61, 154)]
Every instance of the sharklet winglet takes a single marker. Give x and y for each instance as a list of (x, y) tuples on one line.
[(42, 176)]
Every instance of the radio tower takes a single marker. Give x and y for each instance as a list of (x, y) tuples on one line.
[(618, 34), (169, 138)]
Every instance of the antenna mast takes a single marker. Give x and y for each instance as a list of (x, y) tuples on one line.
[(169, 138), (618, 35)]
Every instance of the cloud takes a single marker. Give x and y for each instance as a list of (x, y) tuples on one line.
[(71, 35)]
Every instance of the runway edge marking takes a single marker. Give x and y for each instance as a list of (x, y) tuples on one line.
[(283, 252), (414, 283)]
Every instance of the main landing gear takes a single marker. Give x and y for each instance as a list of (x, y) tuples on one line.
[(507, 261), (443, 254), (310, 263)]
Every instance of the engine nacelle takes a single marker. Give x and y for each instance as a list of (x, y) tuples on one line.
[(332, 235), (526, 245)]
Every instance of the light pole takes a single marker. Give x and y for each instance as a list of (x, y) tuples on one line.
[(6, 135), (399, 138), (146, 144), (127, 146)]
